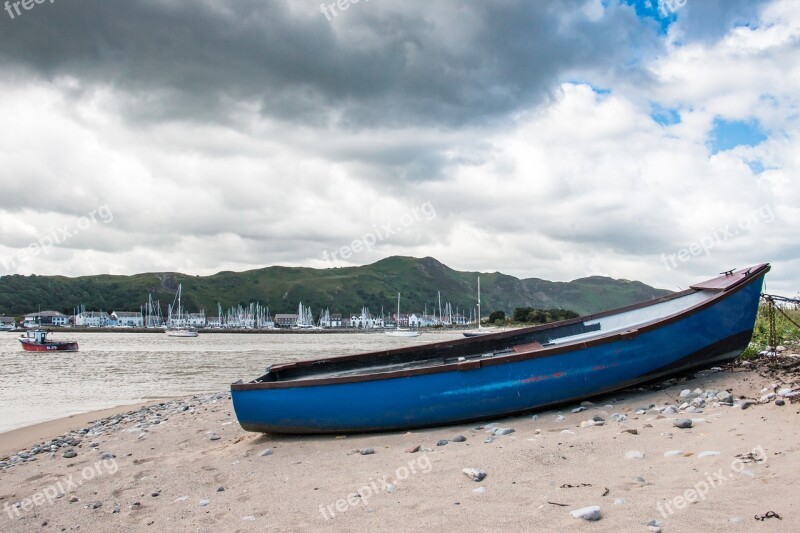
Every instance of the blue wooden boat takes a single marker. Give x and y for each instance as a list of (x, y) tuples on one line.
[(506, 373)]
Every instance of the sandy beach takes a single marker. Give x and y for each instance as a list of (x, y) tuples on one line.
[(186, 465)]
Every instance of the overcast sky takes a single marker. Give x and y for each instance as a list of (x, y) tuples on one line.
[(551, 139)]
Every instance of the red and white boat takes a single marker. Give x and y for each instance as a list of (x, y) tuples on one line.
[(35, 340)]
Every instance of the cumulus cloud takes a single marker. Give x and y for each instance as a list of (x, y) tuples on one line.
[(554, 139)]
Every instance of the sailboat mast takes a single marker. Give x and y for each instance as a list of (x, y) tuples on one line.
[(398, 311), (479, 302)]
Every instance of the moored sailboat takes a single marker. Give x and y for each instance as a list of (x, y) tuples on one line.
[(398, 331)]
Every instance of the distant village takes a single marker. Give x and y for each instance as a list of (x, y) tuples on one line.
[(253, 316)]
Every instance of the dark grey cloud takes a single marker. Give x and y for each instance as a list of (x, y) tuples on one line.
[(373, 66), (709, 20)]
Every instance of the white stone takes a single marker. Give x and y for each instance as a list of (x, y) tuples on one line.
[(708, 454), (633, 454), (587, 513), (673, 453)]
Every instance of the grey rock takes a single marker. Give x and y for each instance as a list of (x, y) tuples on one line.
[(213, 436), (474, 474), (619, 417), (669, 410), (579, 409), (685, 393), (442, 442), (69, 454), (108, 455), (221, 489), (590, 513), (634, 454), (367, 451), (746, 404), (724, 396), (682, 423), (767, 397), (116, 509), (499, 432), (265, 452), (459, 438), (780, 403), (204, 502), (488, 440)]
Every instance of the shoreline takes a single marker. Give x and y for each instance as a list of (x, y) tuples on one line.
[(186, 464), (276, 331), (26, 436)]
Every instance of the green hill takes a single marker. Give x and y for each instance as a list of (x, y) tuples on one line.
[(342, 290)]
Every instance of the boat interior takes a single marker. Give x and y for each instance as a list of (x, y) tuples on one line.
[(461, 351)]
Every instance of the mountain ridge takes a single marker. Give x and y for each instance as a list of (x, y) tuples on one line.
[(340, 289)]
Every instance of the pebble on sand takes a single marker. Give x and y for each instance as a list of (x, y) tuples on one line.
[(474, 474), (633, 454), (708, 454), (367, 451), (204, 502), (683, 423), (587, 513), (264, 453)]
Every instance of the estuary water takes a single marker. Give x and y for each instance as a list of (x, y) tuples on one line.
[(114, 369)]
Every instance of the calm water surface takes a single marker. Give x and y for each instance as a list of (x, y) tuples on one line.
[(121, 368)]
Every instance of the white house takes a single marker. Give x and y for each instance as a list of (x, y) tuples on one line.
[(365, 320), (196, 320), (45, 318), (93, 319), (128, 319)]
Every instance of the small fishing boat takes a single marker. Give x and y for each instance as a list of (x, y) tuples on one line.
[(35, 340), (506, 373)]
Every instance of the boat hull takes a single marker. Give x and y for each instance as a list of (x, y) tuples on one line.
[(707, 335), (51, 346)]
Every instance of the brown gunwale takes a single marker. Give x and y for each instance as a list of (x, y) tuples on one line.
[(754, 273)]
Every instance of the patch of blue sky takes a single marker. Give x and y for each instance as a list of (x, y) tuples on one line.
[(664, 115), (664, 12), (596, 90), (728, 134)]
